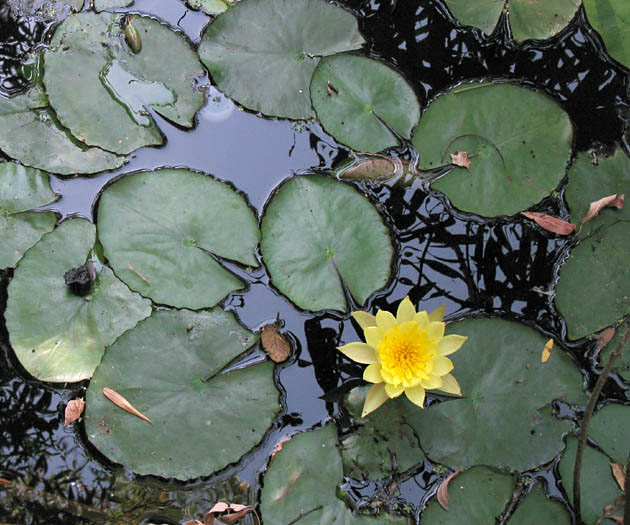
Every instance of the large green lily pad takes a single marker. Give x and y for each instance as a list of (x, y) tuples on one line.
[(30, 133), (528, 20), (357, 99), (88, 55), (611, 19), (57, 335), (21, 190), (610, 428), (302, 481), (262, 53), (539, 509), (162, 231), (519, 142), (319, 235), (172, 368)]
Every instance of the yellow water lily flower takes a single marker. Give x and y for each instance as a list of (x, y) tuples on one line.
[(406, 353)]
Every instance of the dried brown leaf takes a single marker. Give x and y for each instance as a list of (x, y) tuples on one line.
[(193, 522), (74, 409), (122, 402), (604, 338), (620, 475), (238, 512), (373, 168), (460, 159), (552, 224), (442, 493), (275, 344), (595, 207), (546, 353)]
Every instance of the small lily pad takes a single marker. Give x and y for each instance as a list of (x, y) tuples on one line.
[(319, 236), (358, 99), (212, 7), (162, 232), (21, 190), (539, 509), (172, 368), (610, 428), (518, 141), (611, 19), (262, 53), (57, 335)]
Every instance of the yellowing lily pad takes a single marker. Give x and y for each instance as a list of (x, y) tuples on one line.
[(319, 236), (611, 19)]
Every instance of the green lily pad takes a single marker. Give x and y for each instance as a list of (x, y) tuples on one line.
[(212, 7), (539, 509), (21, 190), (262, 53), (101, 5), (610, 428), (162, 231), (518, 140), (172, 368), (57, 335), (611, 19), (302, 481), (30, 133), (382, 440), (88, 55), (357, 99), (478, 495), (319, 235), (622, 363), (528, 20), (598, 487)]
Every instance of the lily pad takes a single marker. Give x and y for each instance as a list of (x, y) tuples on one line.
[(319, 236), (611, 19), (610, 428), (528, 20), (57, 335), (22, 189), (172, 368), (88, 55), (163, 231), (212, 7), (302, 481), (518, 140), (539, 509), (622, 363), (101, 5), (358, 99), (262, 53), (30, 133), (478, 495)]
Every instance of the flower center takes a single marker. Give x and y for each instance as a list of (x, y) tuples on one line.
[(406, 354)]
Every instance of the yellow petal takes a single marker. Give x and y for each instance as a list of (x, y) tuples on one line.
[(376, 396), (546, 353), (422, 318), (450, 344), (436, 330), (416, 395), (373, 336), (431, 383), (372, 374), (359, 352), (406, 311), (441, 366), (437, 314), (385, 320), (450, 385), (393, 390), (364, 319)]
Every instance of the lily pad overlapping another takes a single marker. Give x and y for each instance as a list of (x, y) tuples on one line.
[(165, 234), (211, 7), (262, 53), (57, 335), (611, 19), (21, 190), (518, 141), (321, 238)]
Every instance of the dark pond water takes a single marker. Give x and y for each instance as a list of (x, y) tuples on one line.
[(503, 267)]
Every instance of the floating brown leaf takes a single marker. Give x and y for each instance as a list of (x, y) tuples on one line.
[(275, 344), (620, 475), (460, 159), (546, 353), (74, 409), (122, 402), (550, 223), (238, 512), (595, 207), (375, 168), (604, 338), (442, 493)]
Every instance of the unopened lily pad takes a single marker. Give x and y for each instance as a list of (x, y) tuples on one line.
[(611, 19), (528, 20), (539, 509), (319, 235), (30, 133), (301, 483), (21, 190), (88, 55), (163, 231), (518, 141), (57, 335), (610, 428), (357, 99), (172, 368), (262, 53)]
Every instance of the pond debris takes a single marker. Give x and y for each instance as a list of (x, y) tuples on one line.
[(80, 279), (442, 492), (237, 512), (546, 353), (603, 339), (615, 201), (619, 473), (130, 266), (275, 343), (549, 223), (377, 167), (460, 159), (73, 412), (132, 36), (121, 402)]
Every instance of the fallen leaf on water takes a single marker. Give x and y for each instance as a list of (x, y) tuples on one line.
[(74, 409), (603, 339), (546, 353), (550, 223), (122, 402), (620, 475), (442, 493), (372, 168), (238, 512), (460, 159), (275, 344), (595, 207)]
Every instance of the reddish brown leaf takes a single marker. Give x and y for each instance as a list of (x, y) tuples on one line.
[(546, 353), (193, 522), (442, 493), (552, 224), (74, 409), (239, 511), (595, 207), (460, 159), (620, 475), (604, 338), (122, 402), (375, 168), (275, 344)]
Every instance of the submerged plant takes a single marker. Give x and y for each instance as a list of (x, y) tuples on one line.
[(406, 353)]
